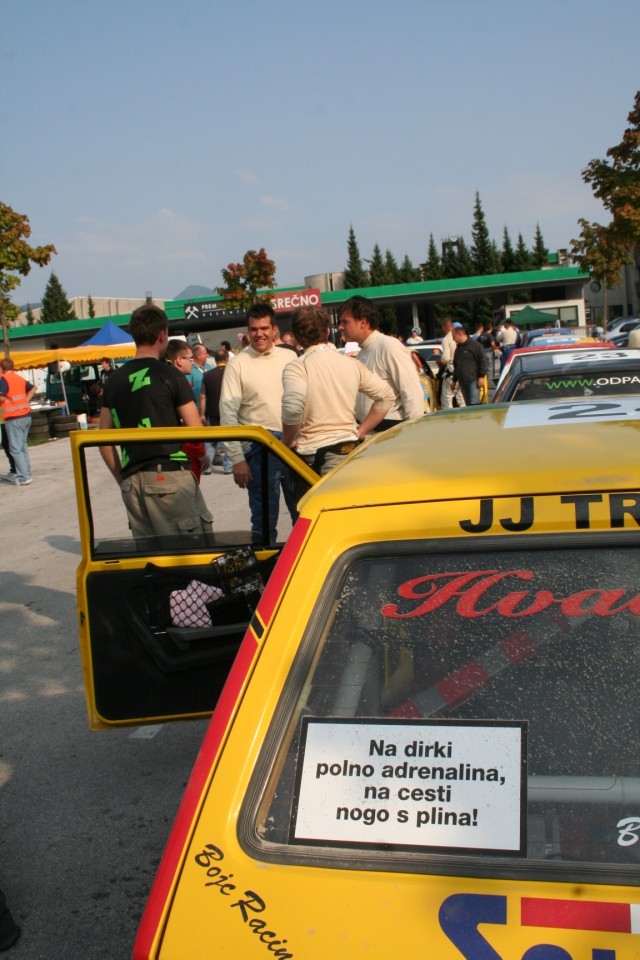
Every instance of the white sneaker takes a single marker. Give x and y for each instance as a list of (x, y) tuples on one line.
[(24, 481), (10, 477)]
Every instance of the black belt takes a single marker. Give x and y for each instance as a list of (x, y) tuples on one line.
[(161, 466), (316, 460)]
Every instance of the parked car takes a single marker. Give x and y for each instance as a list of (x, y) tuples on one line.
[(597, 373), (427, 741), (544, 346), (622, 339), (621, 325), (430, 351)]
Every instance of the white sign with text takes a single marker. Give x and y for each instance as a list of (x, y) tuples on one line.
[(454, 785)]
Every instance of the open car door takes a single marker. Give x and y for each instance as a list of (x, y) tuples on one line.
[(161, 619)]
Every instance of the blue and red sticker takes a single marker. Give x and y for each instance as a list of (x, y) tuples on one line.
[(461, 914)]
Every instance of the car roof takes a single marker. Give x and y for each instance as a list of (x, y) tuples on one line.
[(561, 361), (444, 456)]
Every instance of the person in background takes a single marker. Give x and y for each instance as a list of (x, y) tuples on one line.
[(209, 406), (385, 356), (160, 493), (469, 366), (105, 370), (5, 446), (252, 394), (488, 343), (445, 372), (320, 393), (225, 345), (180, 354), (200, 366), (15, 397), (416, 336)]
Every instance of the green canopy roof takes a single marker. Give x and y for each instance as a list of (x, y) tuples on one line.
[(529, 316)]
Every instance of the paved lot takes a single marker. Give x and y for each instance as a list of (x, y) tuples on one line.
[(83, 816)]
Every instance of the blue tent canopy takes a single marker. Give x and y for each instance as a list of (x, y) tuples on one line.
[(109, 333)]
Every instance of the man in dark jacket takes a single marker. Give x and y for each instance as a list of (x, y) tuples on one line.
[(469, 365)]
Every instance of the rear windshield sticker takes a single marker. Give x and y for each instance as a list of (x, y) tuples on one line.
[(571, 412), (597, 356), (422, 784)]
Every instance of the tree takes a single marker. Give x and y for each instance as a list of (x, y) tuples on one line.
[(243, 280), (508, 254), (377, 273), (16, 257), (522, 259), (408, 273), (539, 254), (355, 275), (90, 307), (29, 317), (432, 269), (391, 269), (603, 249), (482, 252), (55, 305)]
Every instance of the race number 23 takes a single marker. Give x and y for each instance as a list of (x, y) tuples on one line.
[(461, 914)]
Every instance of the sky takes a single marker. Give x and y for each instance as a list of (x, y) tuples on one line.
[(155, 141)]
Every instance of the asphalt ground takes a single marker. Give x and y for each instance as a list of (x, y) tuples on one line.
[(84, 816)]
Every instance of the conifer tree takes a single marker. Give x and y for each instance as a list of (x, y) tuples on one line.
[(391, 269), (432, 269), (55, 305), (29, 317), (482, 253), (377, 271), (90, 307), (408, 273), (522, 259), (354, 275), (539, 253), (508, 253)]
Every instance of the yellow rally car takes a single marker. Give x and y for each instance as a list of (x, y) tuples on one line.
[(427, 744)]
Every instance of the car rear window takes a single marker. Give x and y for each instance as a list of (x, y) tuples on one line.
[(441, 706), (593, 384)]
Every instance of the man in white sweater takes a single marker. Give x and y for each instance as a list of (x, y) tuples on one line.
[(386, 357), (321, 389), (252, 395)]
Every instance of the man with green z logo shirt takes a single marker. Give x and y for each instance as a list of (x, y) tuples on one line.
[(159, 490)]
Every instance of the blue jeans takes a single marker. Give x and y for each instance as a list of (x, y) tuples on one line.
[(470, 392), (17, 432), (278, 479)]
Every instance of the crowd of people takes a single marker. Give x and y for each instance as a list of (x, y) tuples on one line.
[(315, 407)]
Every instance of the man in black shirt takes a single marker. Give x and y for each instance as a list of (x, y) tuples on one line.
[(469, 365), (159, 490)]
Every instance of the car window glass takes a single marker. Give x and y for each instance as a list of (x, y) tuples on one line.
[(548, 638)]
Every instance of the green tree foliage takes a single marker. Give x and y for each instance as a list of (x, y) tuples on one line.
[(55, 304), (377, 273), (508, 254), (408, 273), (29, 317), (355, 275), (243, 280), (433, 269), (522, 256), (16, 259), (539, 253), (483, 251), (391, 268), (456, 262), (602, 249), (91, 307)]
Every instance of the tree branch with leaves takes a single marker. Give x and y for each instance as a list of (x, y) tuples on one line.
[(16, 258), (243, 280)]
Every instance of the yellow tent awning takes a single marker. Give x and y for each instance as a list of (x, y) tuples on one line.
[(31, 359)]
